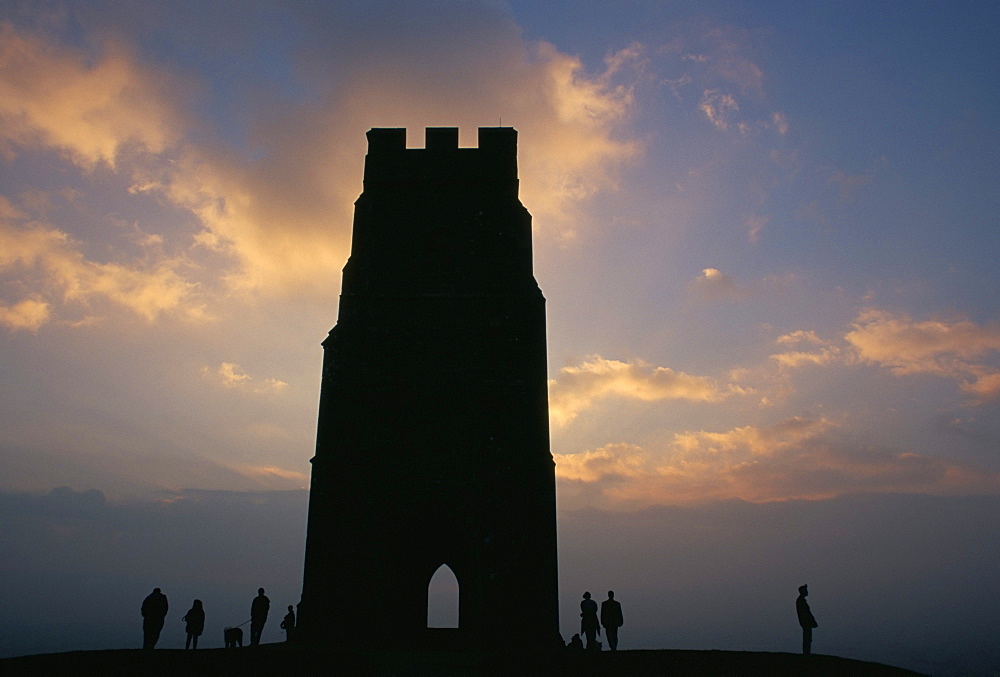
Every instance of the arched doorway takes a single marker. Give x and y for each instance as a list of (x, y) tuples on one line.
[(442, 599)]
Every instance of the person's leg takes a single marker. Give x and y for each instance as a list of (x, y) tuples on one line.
[(807, 639), (612, 635)]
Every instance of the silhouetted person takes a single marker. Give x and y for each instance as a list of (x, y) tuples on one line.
[(589, 625), (154, 610), (258, 616), (806, 619), (195, 620), (611, 619), (575, 644), (288, 623)]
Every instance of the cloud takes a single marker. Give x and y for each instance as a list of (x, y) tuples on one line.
[(821, 352), (578, 387), (29, 314), (50, 264), (958, 350), (231, 375), (718, 107), (271, 203), (88, 106), (715, 285), (270, 472), (793, 459), (984, 387)]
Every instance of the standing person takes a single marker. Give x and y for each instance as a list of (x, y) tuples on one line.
[(154, 610), (195, 620), (258, 616), (611, 619), (288, 623), (589, 625), (806, 619)]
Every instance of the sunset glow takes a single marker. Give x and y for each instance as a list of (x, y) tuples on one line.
[(767, 236)]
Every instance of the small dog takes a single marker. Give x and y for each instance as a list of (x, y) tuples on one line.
[(233, 637)]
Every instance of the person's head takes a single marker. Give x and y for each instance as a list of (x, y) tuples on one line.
[(803, 590), (197, 603), (156, 591), (611, 594), (289, 607), (586, 595), (260, 591)]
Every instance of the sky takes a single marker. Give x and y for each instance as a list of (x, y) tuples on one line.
[(767, 236)]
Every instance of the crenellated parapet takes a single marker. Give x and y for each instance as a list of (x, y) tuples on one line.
[(494, 161)]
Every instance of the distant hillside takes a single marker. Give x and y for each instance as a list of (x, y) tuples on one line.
[(277, 659)]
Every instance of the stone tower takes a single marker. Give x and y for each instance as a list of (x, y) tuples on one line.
[(433, 444)]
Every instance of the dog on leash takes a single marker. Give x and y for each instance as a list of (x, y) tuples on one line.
[(233, 637)]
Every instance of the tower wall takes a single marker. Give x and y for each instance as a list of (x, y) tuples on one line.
[(432, 443)]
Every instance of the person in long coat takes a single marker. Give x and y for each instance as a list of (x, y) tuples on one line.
[(195, 624), (154, 611), (590, 626)]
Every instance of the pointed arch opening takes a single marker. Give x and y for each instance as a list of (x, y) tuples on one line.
[(442, 599)]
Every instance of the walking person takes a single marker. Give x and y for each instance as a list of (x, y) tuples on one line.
[(590, 626), (258, 616), (195, 624), (611, 619), (806, 619), (154, 611)]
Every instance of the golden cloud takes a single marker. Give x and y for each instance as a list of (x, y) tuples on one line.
[(49, 260), (951, 349), (578, 387), (281, 218), (286, 218), (959, 350), (231, 375), (821, 353), (265, 473), (797, 458), (29, 314), (906, 346), (88, 107)]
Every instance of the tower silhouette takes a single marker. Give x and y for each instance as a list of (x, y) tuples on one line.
[(433, 444)]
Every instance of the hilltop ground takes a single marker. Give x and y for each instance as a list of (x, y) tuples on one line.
[(278, 659)]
